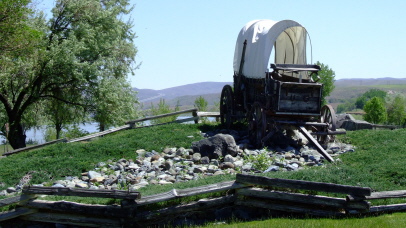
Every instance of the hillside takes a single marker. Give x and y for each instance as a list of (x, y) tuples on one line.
[(352, 88), (186, 94), (200, 88)]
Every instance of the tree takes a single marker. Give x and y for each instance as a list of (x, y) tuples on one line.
[(114, 103), (60, 115), (375, 111), (83, 43), (20, 43), (361, 101), (397, 111), (201, 103), (327, 76), (163, 108), (347, 106)]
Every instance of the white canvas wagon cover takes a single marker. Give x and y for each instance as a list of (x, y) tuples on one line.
[(287, 37)]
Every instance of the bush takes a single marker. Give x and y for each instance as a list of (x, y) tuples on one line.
[(375, 111), (163, 108)]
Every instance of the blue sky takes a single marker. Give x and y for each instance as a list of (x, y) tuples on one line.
[(181, 42)]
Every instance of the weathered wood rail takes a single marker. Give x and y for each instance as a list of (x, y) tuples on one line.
[(247, 192), (196, 115), (34, 147)]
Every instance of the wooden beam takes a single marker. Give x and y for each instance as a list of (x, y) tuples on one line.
[(303, 198), (388, 208), (301, 185), (98, 134), (70, 219), (208, 114), (379, 195), (287, 208), (16, 199), (203, 204), (173, 194), (79, 208), (160, 116), (316, 144), (16, 213), (100, 193), (33, 147)]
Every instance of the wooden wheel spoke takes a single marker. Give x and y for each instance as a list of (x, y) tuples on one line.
[(327, 116)]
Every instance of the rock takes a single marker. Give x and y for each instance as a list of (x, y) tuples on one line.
[(353, 125), (93, 174), (155, 157), (272, 168), (205, 160), (289, 155), (12, 190), (97, 179), (94, 187), (163, 182), (216, 146), (153, 182), (218, 173), (226, 165), (133, 166), (168, 164), (3, 193), (140, 152), (101, 164), (196, 157), (150, 154), (247, 166), (239, 163), (81, 185), (229, 158), (292, 166)]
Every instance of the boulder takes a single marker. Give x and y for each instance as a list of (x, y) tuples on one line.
[(216, 146), (353, 125), (348, 122)]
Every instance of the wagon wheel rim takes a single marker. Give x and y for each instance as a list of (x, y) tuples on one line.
[(327, 116), (227, 106), (257, 124)]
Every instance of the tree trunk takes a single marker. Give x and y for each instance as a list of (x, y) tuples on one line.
[(58, 129), (102, 127), (16, 136)]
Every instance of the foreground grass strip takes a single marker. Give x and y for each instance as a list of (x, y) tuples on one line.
[(381, 221)]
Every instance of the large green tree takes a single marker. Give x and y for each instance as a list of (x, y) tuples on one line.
[(397, 111), (361, 101), (115, 103), (83, 43), (327, 78), (375, 111)]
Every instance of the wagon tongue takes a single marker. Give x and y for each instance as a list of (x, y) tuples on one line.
[(319, 148)]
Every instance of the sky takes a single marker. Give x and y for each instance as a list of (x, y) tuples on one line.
[(188, 41)]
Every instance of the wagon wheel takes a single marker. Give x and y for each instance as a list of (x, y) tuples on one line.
[(227, 106), (328, 116), (256, 124)]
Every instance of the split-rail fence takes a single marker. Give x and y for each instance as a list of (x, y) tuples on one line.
[(247, 192)]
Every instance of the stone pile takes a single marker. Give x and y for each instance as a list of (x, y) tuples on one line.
[(218, 154)]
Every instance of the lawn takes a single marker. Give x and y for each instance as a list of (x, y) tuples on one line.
[(378, 162)]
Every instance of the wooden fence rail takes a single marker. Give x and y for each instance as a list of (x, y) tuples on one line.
[(129, 125), (246, 191)]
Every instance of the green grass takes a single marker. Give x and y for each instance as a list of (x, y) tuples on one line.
[(378, 163), (381, 221), (56, 161)]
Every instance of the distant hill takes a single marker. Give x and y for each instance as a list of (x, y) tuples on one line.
[(351, 88), (185, 95)]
